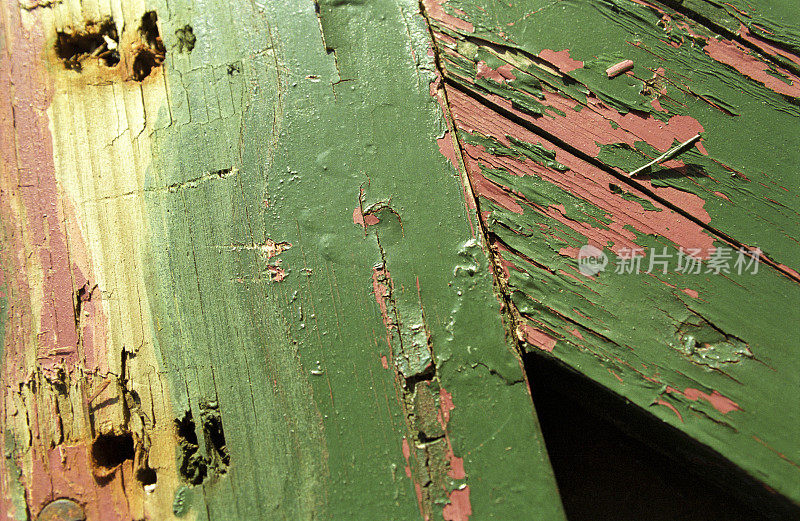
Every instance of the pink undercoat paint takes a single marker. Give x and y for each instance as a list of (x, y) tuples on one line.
[(717, 401), (500, 75), (790, 271), (381, 288), (583, 180), (570, 251), (593, 127), (456, 466), (577, 334), (537, 338), (445, 406), (561, 59), (364, 220), (459, 508), (406, 448), (778, 453), (661, 401), (615, 375), (586, 129), (418, 490), (407, 453), (623, 212), (435, 9), (573, 276), (692, 293), (276, 273), (447, 149), (66, 472), (736, 56), (52, 240), (505, 264), (745, 33), (657, 105), (445, 38), (491, 191), (456, 471)]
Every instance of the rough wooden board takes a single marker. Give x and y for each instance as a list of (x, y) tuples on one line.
[(263, 245), (548, 140)]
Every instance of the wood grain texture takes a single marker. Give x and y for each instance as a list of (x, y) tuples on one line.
[(240, 280), (548, 140)]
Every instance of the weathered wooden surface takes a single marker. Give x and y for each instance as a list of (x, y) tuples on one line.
[(243, 266), (548, 140), (240, 280)]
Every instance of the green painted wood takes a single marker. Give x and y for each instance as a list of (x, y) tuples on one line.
[(309, 122), (549, 138), (241, 279)]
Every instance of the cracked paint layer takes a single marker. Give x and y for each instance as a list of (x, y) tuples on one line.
[(708, 350), (190, 322)]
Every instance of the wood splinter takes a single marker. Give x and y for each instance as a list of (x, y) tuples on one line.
[(666, 156), (619, 68)]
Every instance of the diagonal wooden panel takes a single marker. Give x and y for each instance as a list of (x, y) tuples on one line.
[(548, 139), (240, 280)]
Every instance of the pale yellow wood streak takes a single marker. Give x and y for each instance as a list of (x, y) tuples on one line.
[(101, 122)]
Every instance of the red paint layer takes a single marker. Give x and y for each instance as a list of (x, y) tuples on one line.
[(692, 293), (768, 48), (445, 406), (583, 180), (491, 191), (665, 403), (447, 149), (717, 401), (362, 219), (734, 55), (43, 303), (459, 508), (435, 9), (537, 337), (66, 472), (561, 60), (500, 75)]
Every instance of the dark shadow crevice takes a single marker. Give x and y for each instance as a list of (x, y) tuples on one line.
[(615, 462)]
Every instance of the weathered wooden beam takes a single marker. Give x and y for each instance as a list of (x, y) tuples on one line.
[(549, 138), (239, 277)]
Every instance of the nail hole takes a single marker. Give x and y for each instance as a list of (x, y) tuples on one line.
[(150, 54), (98, 38), (110, 450), (146, 476)]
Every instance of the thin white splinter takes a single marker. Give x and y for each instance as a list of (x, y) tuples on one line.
[(111, 44), (666, 156), (99, 49)]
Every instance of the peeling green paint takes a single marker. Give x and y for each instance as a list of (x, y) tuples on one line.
[(327, 112), (705, 352)]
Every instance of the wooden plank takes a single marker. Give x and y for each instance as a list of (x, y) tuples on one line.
[(548, 139), (239, 277)]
